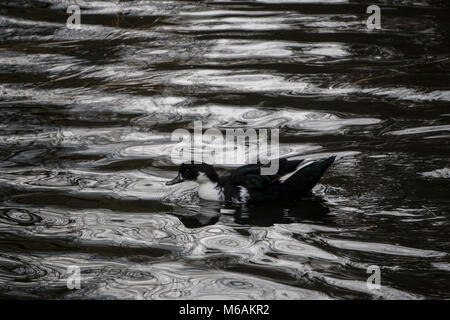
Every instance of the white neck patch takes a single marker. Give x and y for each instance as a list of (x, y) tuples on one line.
[(207, 189)]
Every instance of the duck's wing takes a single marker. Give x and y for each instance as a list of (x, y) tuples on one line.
[(249, 176), (304, 178)]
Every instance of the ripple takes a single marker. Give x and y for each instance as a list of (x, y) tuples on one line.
[(233, 49), (420, 130), (202, 284), (443, 173), (384, 248), (301, 249), (225, 243), (20, 216)]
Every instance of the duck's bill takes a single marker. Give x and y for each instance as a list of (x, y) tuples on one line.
[(178, 179)]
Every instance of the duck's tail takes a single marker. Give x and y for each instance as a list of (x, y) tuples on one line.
[(305, 177)]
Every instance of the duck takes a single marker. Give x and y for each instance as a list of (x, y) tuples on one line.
[(292, 180)]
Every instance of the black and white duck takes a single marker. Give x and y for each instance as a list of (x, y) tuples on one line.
[(294, 179)]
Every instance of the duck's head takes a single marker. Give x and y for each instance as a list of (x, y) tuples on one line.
[(200, 173)]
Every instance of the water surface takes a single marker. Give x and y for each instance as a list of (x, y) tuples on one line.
[(86, 118)]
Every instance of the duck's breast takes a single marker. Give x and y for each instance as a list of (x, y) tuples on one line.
[(210, 191)]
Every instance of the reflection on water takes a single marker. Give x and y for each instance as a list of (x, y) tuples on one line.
[(86, 121)]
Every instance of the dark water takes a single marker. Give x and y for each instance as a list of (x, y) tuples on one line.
[(86, 118)]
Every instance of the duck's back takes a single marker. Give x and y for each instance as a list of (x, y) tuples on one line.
[(293, 179)]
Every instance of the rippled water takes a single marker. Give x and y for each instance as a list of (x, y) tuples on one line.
[(86, 118)]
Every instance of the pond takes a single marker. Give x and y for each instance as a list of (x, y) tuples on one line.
[(85, 148)]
